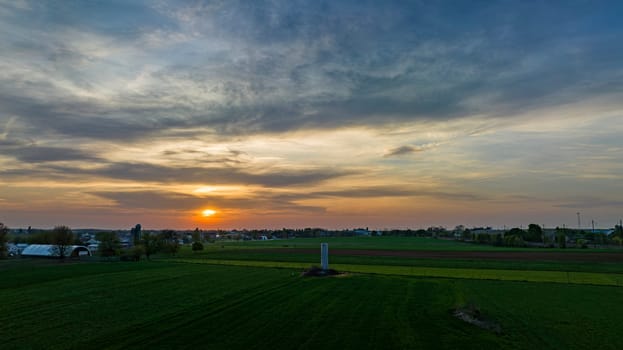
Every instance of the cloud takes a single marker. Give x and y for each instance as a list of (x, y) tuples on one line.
[(589, 202), (142, 172), (161, 200), (264, 200), (279, 66), (403, 150), (152, 200), (409, 149), (397, 191), (268, 178), (38, 154)]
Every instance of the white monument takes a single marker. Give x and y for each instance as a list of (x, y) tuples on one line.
[(324, 256)]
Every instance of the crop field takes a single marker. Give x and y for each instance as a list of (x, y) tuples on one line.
[(414, 253), (250, 295), (388, 243)]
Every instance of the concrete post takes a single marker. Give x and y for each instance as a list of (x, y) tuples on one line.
[(324, 256)]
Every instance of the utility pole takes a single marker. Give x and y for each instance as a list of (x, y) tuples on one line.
[(579, 223), (594, 238)]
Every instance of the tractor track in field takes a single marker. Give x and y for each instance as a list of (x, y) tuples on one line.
[(465, 255)]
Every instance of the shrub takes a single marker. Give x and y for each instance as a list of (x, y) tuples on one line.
[(582, 243), (134, 254), (170, 247), (513, 241), (197, 246)]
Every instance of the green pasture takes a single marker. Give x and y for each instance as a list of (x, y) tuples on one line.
[(607, 279), (382, 242), (232, 253), (167, 305)]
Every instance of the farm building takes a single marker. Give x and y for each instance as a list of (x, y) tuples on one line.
[(49, 250)]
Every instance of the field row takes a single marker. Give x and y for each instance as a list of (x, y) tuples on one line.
[(594, 278)]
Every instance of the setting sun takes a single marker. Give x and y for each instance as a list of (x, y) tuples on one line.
[(208, 212)]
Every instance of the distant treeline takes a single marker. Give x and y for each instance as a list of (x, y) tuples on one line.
[(145, 243)]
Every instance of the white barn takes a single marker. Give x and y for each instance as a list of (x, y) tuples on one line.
[(49, 250)]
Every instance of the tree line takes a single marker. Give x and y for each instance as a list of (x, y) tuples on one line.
[(145, 244)]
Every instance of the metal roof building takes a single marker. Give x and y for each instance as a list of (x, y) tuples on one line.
[(50, 250)]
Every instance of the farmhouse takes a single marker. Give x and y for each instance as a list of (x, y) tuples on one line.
[(49, 250)]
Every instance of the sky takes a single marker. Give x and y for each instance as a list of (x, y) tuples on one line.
[(334, 114)]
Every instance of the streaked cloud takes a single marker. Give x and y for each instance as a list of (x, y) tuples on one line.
[(38, 154), (408, 149)]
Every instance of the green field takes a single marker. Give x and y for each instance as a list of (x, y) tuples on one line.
[(307, 259), (383, 242), (260, 301), (252, 252)]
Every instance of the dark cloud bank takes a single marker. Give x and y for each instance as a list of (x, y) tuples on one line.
[(293, 65)]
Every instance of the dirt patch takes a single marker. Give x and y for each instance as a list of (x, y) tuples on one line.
[(467, 255), (472, 315), (316, 271)]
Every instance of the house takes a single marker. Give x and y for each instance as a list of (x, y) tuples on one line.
[(361, 232)]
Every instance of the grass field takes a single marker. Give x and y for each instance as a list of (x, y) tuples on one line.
[(307, 259), (168, 305), (595, 278), (384, 242), (234, 296), (256, 251)]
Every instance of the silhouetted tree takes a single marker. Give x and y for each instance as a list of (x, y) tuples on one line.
[(61, 238), (561, 237), (4, 233), (534, 234), (168, 235), (109, 244), (466, 234), (514, 237), (516, 232), (197, 246), (40, 237), (150, 243), (169, 242), (137, 251), (617, 235), (513, 241), (196, 235)]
